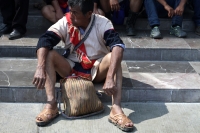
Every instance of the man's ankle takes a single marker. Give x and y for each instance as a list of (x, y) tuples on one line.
[(51, 103), (116, 109)]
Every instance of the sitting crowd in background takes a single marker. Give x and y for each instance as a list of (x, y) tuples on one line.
[(118, 10), (195, 4), (15, 16)]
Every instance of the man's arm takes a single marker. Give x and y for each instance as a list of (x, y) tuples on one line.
[(110, 85), (116, 58), (46, 42), (40, 75), (167, 7), (117, 47)]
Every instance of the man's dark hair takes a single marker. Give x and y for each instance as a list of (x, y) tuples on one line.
[(85, 5)]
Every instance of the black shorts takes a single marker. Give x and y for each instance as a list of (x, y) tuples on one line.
[(58, 77)]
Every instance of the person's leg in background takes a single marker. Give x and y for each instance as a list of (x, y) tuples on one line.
[(135, 7), (176, 28), (154, 22), (196, 6), (105, 5), (97, 8), (49, 13), (7, 10), (20, 19)]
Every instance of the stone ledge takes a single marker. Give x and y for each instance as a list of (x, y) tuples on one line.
[(139, 54), (143, 81), (156, 95)]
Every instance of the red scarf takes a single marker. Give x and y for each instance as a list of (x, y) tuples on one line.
[(75, 38)]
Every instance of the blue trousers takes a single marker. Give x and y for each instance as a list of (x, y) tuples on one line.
[(155, 10), (196, 6)]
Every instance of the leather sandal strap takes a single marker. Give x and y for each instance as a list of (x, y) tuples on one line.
[(47, 114), (124, 119)]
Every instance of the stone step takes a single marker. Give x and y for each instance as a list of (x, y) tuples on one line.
[(143, 81), (140, 47)]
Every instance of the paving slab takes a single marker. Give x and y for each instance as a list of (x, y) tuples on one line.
[(147, 117)]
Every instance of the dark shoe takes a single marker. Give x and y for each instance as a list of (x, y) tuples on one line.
[(130, 23), (5, 29), (15, 35), (155, 33), (197, 31), (130, 31), (177, 31)]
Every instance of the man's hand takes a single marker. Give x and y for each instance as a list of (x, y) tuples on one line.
[(39, 78), (170, 10), (114, 4), (109, 87), (179, 10)]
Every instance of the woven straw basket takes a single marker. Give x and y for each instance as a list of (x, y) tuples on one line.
[(79, 97)]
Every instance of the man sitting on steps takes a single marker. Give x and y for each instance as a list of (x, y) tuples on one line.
[(103, 49)]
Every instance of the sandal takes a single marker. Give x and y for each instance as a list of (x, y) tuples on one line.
[(124, 120), (46, 116)]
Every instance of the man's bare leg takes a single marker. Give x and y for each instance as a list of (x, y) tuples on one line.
[(54, 63), (105, 5), (116, 98)]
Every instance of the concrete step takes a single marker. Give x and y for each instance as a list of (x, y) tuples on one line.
[(140, 47), (147, 118), (143, 81)]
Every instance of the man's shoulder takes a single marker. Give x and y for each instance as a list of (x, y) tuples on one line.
[(102, 23), (101, 19)]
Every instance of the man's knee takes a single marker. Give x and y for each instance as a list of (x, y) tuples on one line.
[(105, 63), (50, 56), (107, 59)]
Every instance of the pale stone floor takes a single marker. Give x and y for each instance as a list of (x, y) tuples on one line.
[(148, 118)]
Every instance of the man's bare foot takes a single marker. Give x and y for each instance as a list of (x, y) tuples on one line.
[(51, 106), (49, 113), (118, 118)]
